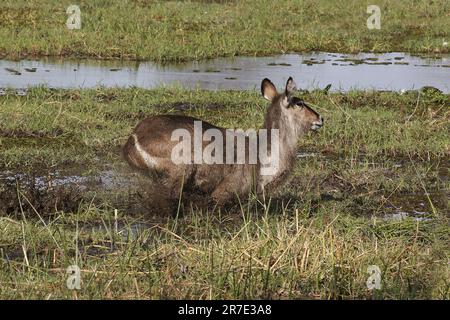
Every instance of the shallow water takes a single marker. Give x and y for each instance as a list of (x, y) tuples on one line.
[(418, 205), (365, 71), (106, 180), (402, 215)]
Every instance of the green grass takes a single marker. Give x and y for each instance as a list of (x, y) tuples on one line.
[(261, 256), (314, 239), (98, 121), (185, 30), (378, 154)]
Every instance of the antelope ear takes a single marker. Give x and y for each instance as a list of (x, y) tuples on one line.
[(291, 87), (268, 90)]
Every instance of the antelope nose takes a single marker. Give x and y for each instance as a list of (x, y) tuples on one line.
[(317, 124)]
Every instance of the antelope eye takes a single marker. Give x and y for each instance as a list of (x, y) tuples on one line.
[(297, 102)]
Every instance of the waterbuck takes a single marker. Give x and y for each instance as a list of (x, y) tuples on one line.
[(203, 165)]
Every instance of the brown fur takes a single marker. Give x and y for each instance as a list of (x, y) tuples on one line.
[(222, 182)]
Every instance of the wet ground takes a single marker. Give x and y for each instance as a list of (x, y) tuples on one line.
[(365, 71), (46, 194), (131, 192)]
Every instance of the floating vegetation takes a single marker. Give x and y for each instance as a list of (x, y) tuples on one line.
[(353, 61), (212, 70), (312, 61), (13, 71), (279, 64), (379, 63)]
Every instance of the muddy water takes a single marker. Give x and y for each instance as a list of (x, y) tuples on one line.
[(107, 180), (389, 71), (120, 182)]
